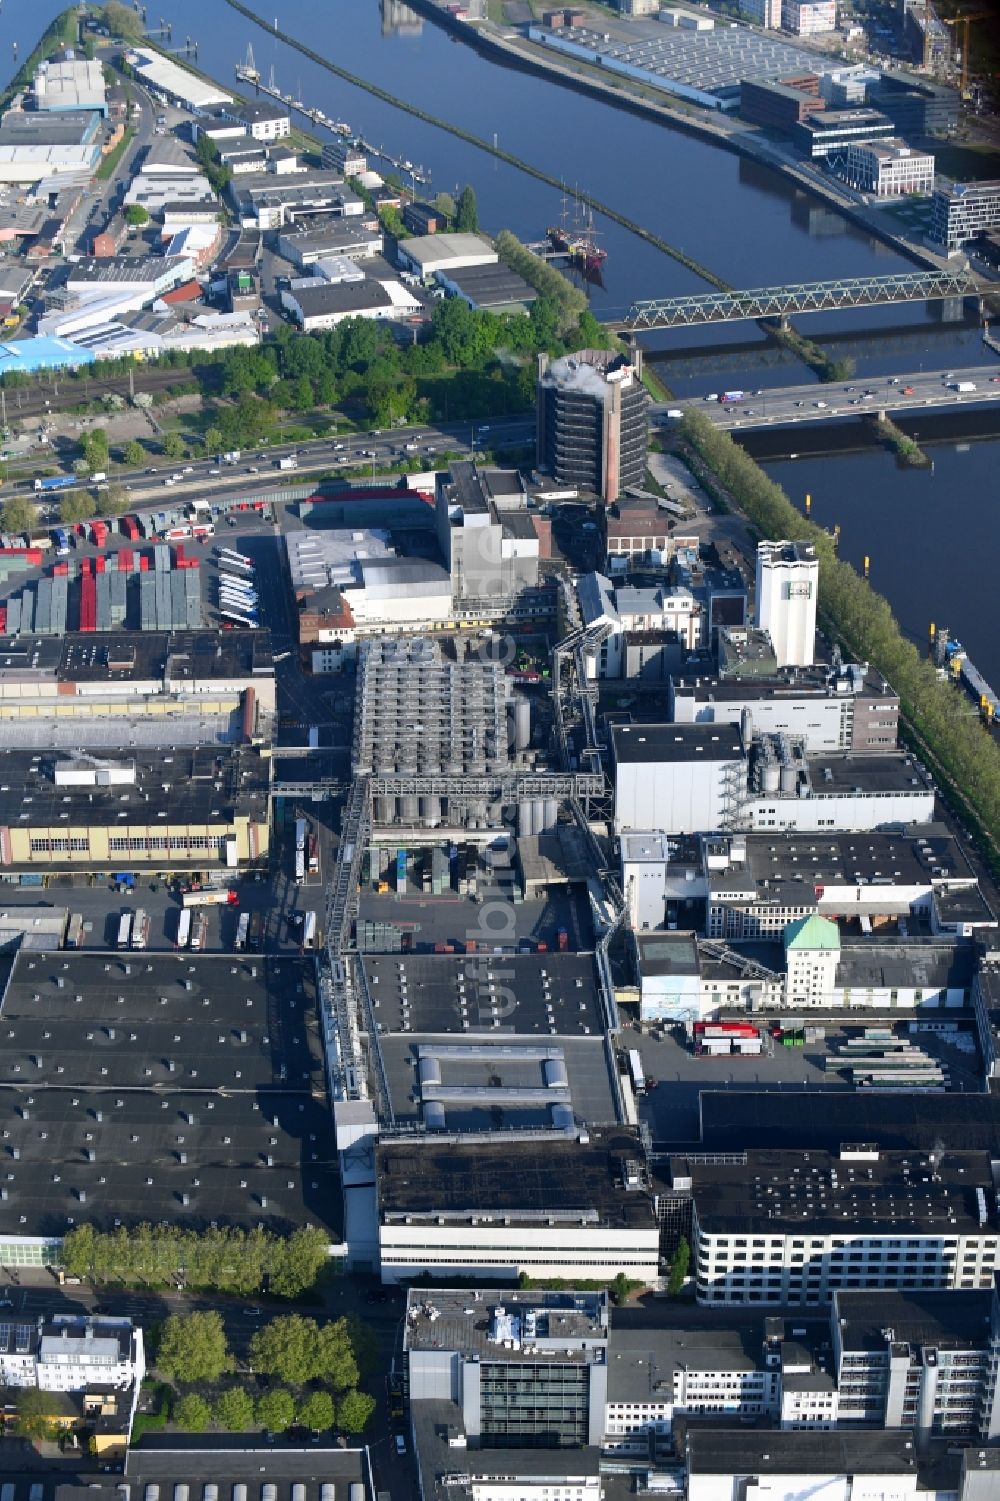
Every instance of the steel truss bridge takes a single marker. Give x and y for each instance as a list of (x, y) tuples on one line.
[(802, 297)]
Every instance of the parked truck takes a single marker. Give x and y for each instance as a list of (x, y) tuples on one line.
[(288, 461), (124, 930), (211, 896), (75, 932), (140, 929)]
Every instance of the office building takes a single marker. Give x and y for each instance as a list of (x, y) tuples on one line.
[(765, 13), (808, 17), (787, 589), (340, 156), (263, 119), (917, 107), (843, 708), (963, 211), (592, 421), (548, 1208), (829, 133), (781, 1227), (681, 779), (522, 1369), (635, 528), (888, 169), (780, 103)]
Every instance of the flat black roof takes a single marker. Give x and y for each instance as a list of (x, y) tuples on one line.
[(188, 784), (472, 994), (726, 1451), (140, 655), (491, 285), (735, 1120), (958, 1316), (676, 742), (513, 1178), (252, 110), (129, 1082), (341, 297)]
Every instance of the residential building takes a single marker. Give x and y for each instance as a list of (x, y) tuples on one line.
[(263, 119), (808, 17), (888, 169), (778, 1227), (70, 1352), (963, 211), (787, 589), (592, 424)]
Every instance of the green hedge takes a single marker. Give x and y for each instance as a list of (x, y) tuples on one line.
[(937, 712)]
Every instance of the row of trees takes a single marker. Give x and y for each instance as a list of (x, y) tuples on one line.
[(232, 1261), (321, 1362), (936, 710)]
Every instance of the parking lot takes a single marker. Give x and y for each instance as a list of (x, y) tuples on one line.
[(670, 1106)]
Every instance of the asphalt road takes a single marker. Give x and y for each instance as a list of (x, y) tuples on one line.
[(812, 403)]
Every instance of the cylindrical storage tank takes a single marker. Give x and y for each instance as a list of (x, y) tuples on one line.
[(239, 1491), (298, 1491), (551, 813), (356, 1492), (433, 1115), (562, 1118), (522, 723), (788, 776), (182, 1492), (524, 819), (537, 815), (429, 1070), (385, 810), (210, 1492), (430, 811), (269, 1492), (494, 814), (554, 1070), (770, 777), (328, 1492), (152, 1493), (409, 809)]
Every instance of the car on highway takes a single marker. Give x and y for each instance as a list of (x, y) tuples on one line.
[(400, 1444)]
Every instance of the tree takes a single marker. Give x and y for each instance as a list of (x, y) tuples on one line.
[(297, 1261), (299, 1350), (354, 1410), (19, 514), (74, 506), (113, 501), (173, 446), (34, 1414), (122, 20), (193, 1347), (679, 1263), (136, 215), (213, 439), (445, 205), (364, 1345), (316, 1412), (467, 211), (133, 454), (620, 1288), (276, 1410), (192, 1412), (234, 1409), (96, 451)]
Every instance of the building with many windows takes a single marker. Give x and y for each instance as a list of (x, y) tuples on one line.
[(592, 427), (888, 169), (963, 211), (787, 1227), (808, 17)]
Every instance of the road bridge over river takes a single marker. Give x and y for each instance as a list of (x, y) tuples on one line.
[(923, 390)]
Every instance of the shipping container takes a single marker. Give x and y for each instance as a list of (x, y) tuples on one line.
[(124, 930), (309, 931), (140, 929), (183, 928), (242, 930), (635, 1069)]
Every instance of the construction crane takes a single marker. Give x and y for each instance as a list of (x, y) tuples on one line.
[(964, 21)]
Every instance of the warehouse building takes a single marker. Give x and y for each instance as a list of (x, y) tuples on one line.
[(425, 255), (169, 81), (73, 83), (138, 1113), (318, 304), (592, 424), (722, 1463), (163, 810), (353, 241), (495, 288), (775, 1227)]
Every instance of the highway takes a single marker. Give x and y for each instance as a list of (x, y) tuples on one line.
[(257, 469), (812, 402)]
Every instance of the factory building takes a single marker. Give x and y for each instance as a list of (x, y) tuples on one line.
[(678, 778), (787, 589), (671, 621), (490, 542), (791, 791), (829, 708), (722, 1463), (773, 1227), (185, 809), (592, 425)]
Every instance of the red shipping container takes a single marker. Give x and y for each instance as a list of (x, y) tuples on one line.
[(130, 528), (3, 617), (100, 564), (99, 533), (61, 571), (125, 560), (143, 563)]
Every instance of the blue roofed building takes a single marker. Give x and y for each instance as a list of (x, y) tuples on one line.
[(30, 355)]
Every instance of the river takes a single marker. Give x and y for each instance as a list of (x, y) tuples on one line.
[(932, 536)]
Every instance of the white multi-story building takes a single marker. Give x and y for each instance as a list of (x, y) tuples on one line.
[(787, 588), (808, 17), (888, 169), (68, 1353), (812, 954), (780, 1227)]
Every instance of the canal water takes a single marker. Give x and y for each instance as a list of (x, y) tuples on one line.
[(932, 536)]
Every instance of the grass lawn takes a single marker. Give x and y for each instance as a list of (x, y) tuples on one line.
[(110, 163), (966, 161)]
